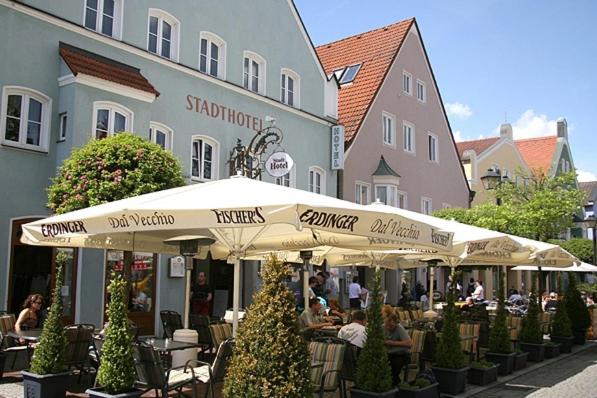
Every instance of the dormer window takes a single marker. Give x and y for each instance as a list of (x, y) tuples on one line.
[(349, 74)]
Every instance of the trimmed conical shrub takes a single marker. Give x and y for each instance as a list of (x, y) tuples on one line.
[(449, 353), (49, 353), (580, 319), (373, 368), (270, 358), (499, 336), (117, 368), (531, 330), (560, 325)]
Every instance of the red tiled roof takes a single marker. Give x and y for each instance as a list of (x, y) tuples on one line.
[(479, 146), (538, 152), (85, 62), (590, 188), (376, 50)]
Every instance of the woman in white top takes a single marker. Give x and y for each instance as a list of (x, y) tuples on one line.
[(354, 293)]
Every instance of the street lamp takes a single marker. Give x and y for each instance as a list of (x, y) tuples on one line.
[(591, 221), (493, 179)]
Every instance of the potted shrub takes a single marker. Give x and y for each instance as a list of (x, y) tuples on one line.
[(116, 374), (270, 355), (482, 373), (420, 388), (520, 359), (374, 376), (48, 377), (500, 349), (561, 331), (531, 337), (552, 349), (577, 311), (450, 370)]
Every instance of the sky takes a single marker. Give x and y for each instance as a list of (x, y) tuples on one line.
[(527, 62)]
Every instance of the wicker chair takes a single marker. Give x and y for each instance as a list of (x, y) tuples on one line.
[(80, 339), (417, 338), (8, 345), (219, 333), (326, 369)]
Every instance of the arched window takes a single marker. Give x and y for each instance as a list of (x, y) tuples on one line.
[(254, 72), (163, 34), (290, 87), (104, 16), (161, 135), (205, 157), (110, 118), (316, 180), (212, 55), (25, 119)]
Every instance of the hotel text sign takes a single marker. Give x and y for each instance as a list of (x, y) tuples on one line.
[(224, 113), (337, 147)]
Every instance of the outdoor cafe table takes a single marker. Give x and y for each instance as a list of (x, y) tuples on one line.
[(166, 346), (31, 335)]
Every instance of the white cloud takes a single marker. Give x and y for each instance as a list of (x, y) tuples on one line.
[(584, 176), (458, 136), (459, 110), (531, 124)]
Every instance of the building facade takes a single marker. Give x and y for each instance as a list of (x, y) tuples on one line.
[(399, 144), (193, 79)]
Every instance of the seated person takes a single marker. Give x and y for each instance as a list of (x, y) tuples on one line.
[(398, 343), (515, 297), (468, 305), (30, 316), (335, 309), (355, 331), (311, 317), (552, 303), (386, 310)]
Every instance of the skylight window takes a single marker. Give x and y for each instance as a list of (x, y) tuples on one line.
[(349, 74)]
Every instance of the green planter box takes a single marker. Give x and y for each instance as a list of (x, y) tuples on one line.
[(552, 350), (506, 361), (431, 391), (536, 351), (483, 376), (520, 360), (564, 342), (44, 386), (451, 381), (356, 393)]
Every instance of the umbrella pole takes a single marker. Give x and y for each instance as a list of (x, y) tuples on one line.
[(430, 313), (187, 291), (236, 294), (306, 286)]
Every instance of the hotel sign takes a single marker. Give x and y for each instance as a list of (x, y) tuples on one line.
[(279, 164), (338, 147)]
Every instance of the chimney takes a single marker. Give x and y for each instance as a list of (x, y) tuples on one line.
[(506, 131), (562, 128)]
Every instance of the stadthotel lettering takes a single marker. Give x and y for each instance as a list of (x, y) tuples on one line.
[(136, 220), (62, 228), (239, 216), (329, 220), (395, 228)]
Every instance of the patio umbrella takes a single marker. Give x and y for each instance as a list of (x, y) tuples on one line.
[(582, 267), (242, 215)]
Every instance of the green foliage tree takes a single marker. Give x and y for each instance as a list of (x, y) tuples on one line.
[(560, 325), (531, 330), (49, 354), (499, 336), (449, 353), (110, 169), (579, 247), (116, 373), (373, 368), (577, 310), (271, 358)]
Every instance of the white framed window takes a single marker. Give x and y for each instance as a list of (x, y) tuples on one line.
[(389, 129), (161, 135), (387, 194), (290, 85), (402, 200), (408, 136), (104, 16), (163, 33), (63, 120), (288, 179), (212, 55), (205, 156), (426, 206), (316, 180), (349, 74), (421, 91), (254, 72), (110, 118), (361, 193), (25, 119), (407, 82), (432, 148)]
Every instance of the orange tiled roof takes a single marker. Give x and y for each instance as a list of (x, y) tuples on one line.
[(538, 152), (81, 61), (376, 50), (479, 146)]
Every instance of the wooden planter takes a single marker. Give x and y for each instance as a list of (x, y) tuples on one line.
[(451, 381), (536, 351), (431, 391), (99, 393), (564, 342), (552, 350), (483, 376), (506, 361), (45, 386), (356, 393), (520, 360)]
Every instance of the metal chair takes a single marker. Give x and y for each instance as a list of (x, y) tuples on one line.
[(8, 345), (80, 339), (171, 321), (326, 369), (219, 333), (212, 374), (418, 340), (200, 323)]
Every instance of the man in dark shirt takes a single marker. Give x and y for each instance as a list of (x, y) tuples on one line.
[(202, 296)]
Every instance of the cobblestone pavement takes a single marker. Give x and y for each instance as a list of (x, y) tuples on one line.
[(573, 376)]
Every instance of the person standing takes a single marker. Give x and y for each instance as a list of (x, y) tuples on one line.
[(479, 293), (331, 287), (354, 293), (398, 344), (470, 288), (202, 296)]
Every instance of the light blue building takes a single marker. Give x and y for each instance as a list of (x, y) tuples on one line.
[(194, 76)]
